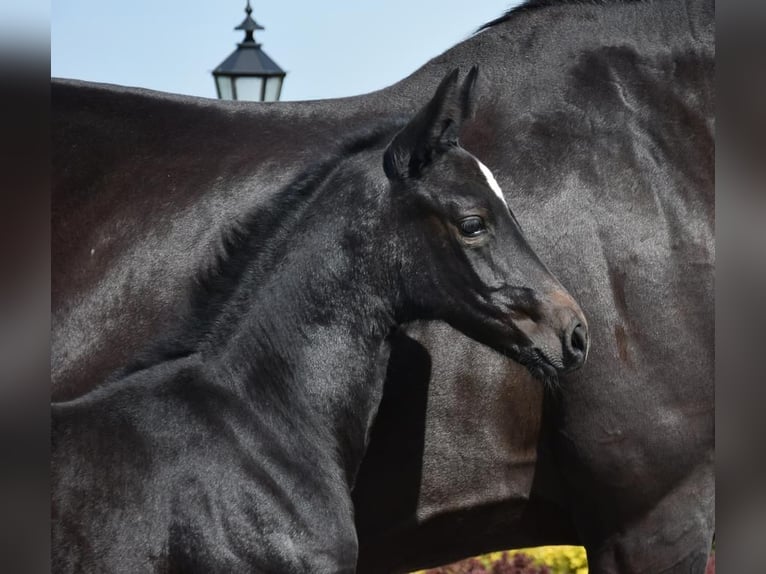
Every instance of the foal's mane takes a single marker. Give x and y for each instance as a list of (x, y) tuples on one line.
[(533, 5), (244, 241)]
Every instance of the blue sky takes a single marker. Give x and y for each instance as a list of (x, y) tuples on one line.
[(329, 48)]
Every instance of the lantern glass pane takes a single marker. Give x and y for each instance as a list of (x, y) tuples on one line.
[(273, 87), (249, 88), (224, 87)]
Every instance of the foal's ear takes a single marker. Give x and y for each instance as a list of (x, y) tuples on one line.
[(434, 128)]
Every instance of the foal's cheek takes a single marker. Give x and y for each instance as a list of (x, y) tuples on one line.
[(485, 270)]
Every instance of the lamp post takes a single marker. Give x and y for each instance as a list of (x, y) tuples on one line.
[(248, 73)]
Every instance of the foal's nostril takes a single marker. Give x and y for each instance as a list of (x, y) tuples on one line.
[(575, 345), (579, 342)]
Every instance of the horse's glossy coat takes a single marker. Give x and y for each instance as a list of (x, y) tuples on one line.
[(233, 443), (597, 121)]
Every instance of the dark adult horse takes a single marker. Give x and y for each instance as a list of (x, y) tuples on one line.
[(597, 120), (233, 443)]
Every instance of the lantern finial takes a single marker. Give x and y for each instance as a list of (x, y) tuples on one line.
[(249, 25)]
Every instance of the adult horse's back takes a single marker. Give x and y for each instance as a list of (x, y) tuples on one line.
[(597, 120)]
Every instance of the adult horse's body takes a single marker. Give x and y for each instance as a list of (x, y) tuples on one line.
[(233, 444), (597, 120)]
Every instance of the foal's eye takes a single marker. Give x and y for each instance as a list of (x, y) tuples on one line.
[(472, 226)]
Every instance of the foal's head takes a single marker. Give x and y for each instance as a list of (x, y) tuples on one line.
[(464, 257)]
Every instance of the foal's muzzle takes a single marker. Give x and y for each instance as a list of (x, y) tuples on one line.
[(559, 339)]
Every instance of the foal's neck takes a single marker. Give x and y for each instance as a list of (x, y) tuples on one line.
[(310, 335)]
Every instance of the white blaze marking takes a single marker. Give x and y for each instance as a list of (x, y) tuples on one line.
[(491, 181)]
